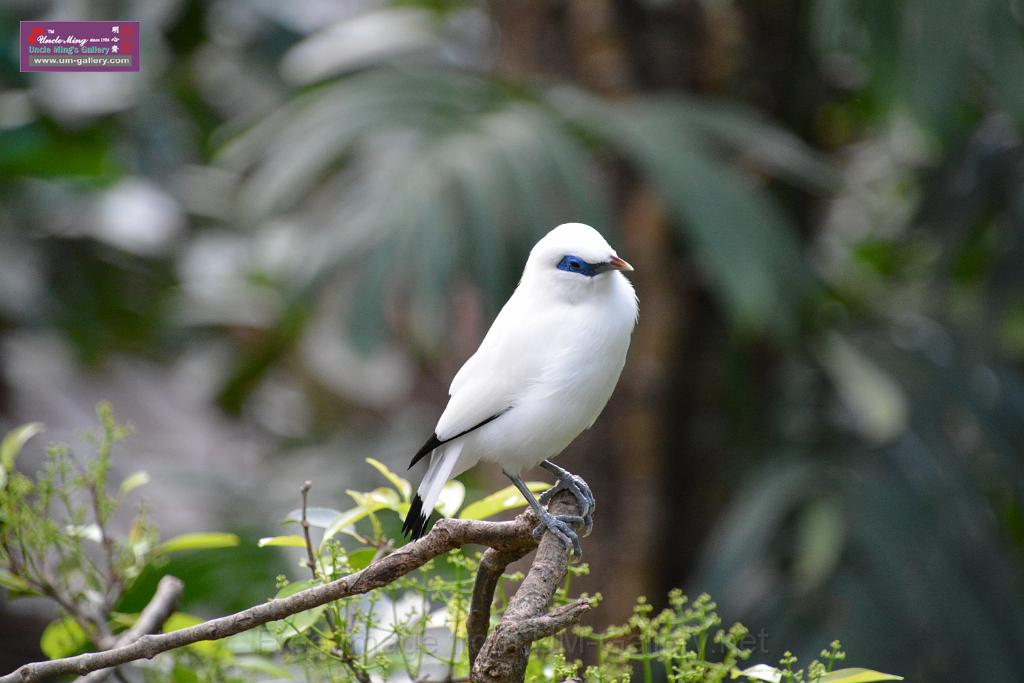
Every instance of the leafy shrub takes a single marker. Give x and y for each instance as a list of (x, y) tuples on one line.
[(57, 540)]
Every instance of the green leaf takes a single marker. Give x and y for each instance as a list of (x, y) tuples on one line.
[(319, 517), (180, 620), (134, 481), (292, 541), (819, 543), (384, 497), (15, 441), (296, 624), (857, 675), (124, 619), (764, 672), (380, 498), (450, 500), (402, 485), (745, 244), (183, 674), (14, 584), (263, 666), (877, 403), (346, 520), (507, 498), (256, 641), (360, 559), (197, 541), (772, 147), (63, 638)]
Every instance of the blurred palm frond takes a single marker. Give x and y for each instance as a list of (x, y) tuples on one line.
[(384, 171)]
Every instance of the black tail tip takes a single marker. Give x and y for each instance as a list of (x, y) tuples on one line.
[(416, 521)]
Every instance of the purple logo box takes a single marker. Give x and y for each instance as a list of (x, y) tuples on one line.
[(79, 46)]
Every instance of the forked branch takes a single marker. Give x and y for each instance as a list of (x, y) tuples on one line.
[(507, 541)]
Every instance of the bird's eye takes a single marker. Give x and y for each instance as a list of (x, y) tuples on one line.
[(574, 264)]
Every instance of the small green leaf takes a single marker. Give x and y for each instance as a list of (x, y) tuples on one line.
[(183, 674), (507, 498), (263, 666), (15, 440), (13, 583), (398, 482), (197, 541), (124, 619), (819, 543), (361, 559), (321, 518), (346, 520), (373, 501), (877, 404), (256, 641), (63, 638), (450, 500), (289, 627), (134, 481), (384, 497), (293, 541), (857, 675), (180, 620), (296, 587)]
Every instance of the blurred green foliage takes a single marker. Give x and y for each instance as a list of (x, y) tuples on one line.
[(415, 626)]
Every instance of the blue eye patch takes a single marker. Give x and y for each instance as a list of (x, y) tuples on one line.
[(574, 264)]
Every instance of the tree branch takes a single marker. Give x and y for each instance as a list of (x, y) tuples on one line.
[(499, 657), (492, 566), (504, 654), (152, 618), (446, 535)]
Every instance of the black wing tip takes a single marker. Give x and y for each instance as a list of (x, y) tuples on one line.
[(416, 521)]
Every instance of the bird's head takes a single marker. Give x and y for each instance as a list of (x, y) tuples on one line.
[(573, 257)]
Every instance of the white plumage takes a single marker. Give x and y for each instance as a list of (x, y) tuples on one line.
[(545, 369)]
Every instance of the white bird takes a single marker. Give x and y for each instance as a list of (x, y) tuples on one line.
[(542, 375)]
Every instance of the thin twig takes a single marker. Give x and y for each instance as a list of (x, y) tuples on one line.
[(343, 655), (350, 663), (310, 556), (112, 589)]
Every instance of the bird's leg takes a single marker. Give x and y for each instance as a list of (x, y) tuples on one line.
[(556, 524), (577, 487)]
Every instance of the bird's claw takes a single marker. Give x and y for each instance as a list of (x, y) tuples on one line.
[(559, 526), (581, 490)]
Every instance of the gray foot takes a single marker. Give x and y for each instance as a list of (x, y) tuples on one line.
[(559, 526), (581, 490)]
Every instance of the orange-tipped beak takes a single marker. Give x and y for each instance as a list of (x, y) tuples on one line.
[(620, 264)]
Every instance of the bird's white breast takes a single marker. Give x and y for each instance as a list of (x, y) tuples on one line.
[(572, 353)]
